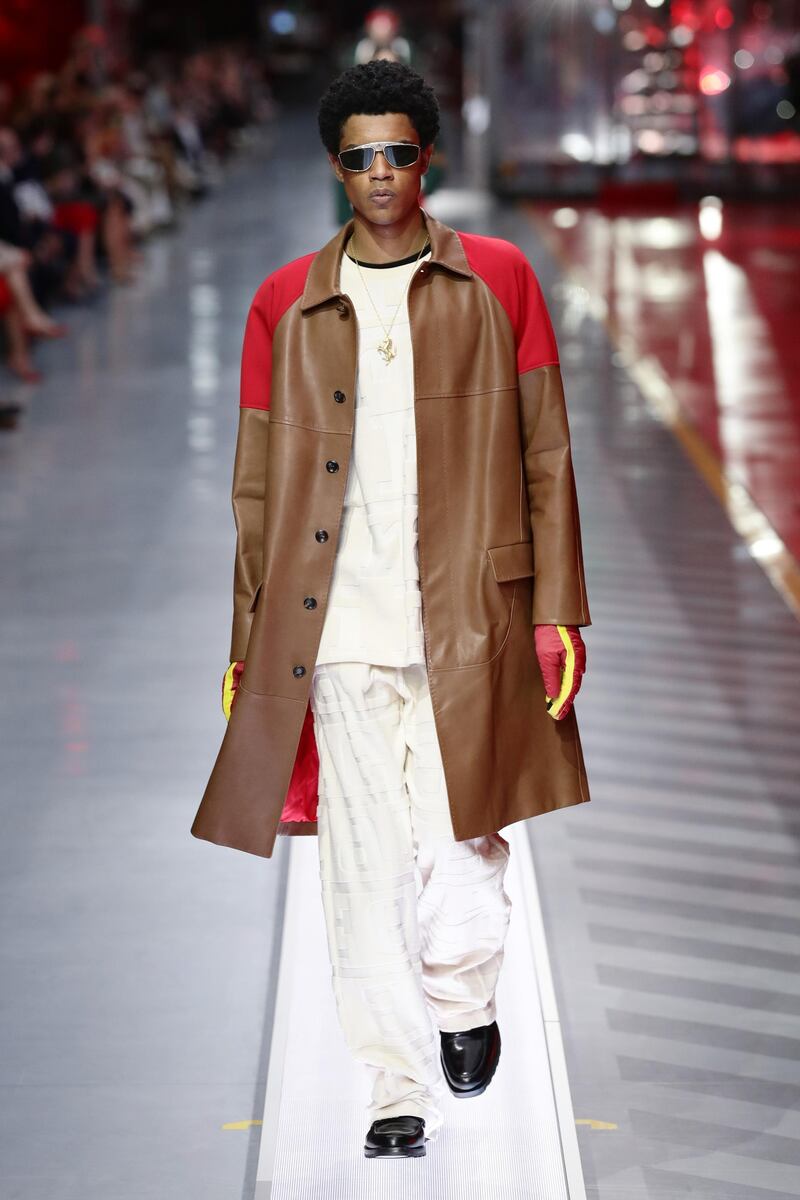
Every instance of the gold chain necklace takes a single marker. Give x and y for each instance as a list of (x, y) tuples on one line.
[(386, 347)]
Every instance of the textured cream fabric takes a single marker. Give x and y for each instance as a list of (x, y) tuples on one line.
[(416, 921), (373, 612)]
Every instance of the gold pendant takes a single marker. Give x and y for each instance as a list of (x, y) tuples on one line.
[(386, 349)]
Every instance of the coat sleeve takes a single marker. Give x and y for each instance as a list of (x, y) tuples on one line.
[(250, 473), (559, 594)]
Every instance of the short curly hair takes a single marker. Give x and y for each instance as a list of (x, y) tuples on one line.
[(378, 86)]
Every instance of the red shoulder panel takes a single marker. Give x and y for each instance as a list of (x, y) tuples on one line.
[(506, 271), (275, 295)]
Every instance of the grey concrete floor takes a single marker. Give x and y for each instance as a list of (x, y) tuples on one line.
[(138, 964), (671, 900)]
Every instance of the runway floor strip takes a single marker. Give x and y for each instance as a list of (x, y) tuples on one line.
[(516, 1141)]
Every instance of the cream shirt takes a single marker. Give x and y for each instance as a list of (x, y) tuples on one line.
[(374, 606)]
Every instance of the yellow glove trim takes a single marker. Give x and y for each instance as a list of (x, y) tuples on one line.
[(556, 703), (228, 691)]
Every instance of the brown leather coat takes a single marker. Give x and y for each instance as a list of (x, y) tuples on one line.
[(499, 535)]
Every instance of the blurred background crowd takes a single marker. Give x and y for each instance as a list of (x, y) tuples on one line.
[(100, 154)]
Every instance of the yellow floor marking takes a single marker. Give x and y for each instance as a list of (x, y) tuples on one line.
[(596, 1124), (241, 1124), (752, 525)]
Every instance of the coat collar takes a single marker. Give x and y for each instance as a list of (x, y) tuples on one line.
[(322, 281)]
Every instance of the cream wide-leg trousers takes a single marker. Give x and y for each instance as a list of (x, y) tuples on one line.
[(415, 920)]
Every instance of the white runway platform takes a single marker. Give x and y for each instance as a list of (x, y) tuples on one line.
[(515, 1142)]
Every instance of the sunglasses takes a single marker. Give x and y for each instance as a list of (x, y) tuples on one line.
[(361, 158)]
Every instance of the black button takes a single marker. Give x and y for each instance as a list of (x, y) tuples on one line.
[(331, 465), (321, 535), (310, 602), (298, 672), (339, 397)]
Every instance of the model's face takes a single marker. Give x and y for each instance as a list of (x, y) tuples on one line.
[(400, 186)]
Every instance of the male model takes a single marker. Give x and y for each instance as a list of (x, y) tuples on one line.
[(408, 593)]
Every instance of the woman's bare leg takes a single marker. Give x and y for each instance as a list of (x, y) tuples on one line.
[(117, 232), (86, 258), (35, 318), (19, 359)]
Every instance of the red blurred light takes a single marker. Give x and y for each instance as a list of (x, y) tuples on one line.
[(723, 17)]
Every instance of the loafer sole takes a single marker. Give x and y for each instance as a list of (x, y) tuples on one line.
[(394, 1151)]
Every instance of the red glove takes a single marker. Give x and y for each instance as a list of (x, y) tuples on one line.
[(562, 658), (230, 683)]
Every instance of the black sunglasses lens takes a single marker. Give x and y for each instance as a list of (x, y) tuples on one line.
[(402, 155), (358, 159), (399, 154)]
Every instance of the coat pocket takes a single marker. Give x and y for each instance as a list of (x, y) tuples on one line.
[(512, 561)]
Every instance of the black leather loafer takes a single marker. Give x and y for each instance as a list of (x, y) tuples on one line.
[(396, 1137), (469, 1059)]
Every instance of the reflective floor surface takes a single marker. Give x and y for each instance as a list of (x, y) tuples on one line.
[(139, 965), (671, 901), (702, 303)]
